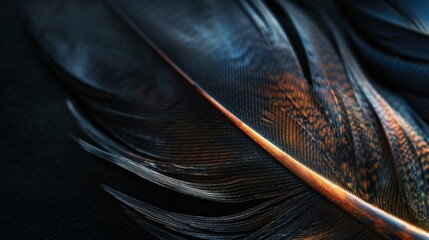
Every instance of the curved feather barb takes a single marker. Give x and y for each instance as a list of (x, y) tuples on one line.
[(395, 46), (235, 102)]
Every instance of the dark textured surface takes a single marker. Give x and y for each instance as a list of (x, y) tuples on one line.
[(49, 187)]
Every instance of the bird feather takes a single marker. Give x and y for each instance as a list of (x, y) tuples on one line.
[(236, 102)]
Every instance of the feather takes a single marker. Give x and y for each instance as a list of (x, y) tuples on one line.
[(393, 23), (236, 102), (395, 46)]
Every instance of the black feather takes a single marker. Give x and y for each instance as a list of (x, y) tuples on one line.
[(392, 39), (172, 91)]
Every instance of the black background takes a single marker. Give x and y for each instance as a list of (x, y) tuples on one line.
[(50, 188)]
